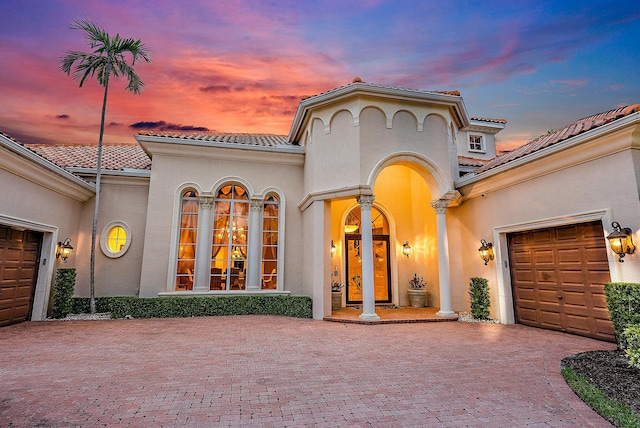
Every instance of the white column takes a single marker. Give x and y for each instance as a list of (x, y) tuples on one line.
[(443, 259), (202, 268), (316, 266), (254, 250), (368, 295)]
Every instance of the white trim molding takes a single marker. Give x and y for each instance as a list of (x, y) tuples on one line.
[(47, 262), (503, 269)]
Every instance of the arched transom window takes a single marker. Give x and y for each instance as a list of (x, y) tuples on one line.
[(379, 223), (230, 232)]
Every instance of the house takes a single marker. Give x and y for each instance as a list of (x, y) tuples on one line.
[(218, 214)]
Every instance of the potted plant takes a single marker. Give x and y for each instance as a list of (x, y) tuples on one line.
[(336, 296), (417, 292)]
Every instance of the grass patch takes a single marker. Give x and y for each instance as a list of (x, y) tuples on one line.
[(618, 414)]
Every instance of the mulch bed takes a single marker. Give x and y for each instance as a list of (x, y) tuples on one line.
[(609, 371)]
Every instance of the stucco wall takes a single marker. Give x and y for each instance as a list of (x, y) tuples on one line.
[(121, 199), (332, 160), (348, 153), (25, 204), (607, 184), (170, 172), (24, 199)]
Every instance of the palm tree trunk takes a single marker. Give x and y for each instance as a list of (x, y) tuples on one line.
[(94, 230)]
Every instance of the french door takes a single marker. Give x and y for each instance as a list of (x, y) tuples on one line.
[(381, 269)]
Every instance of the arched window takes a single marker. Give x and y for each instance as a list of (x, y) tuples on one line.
[(187, 240), (230, 232), (270, 223), (379, 223)]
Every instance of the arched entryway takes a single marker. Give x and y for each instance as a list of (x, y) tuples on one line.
[(408, 190), (381, 257)]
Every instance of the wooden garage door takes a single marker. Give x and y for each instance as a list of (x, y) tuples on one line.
[(19, 251), (558, 277)]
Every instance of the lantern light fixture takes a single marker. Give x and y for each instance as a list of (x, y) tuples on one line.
[(621, 241), (406, 249), (486, 251), (64, 250), (333, 249), (351, 228)]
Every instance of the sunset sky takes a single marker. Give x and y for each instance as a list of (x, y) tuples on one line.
[(243, 66)]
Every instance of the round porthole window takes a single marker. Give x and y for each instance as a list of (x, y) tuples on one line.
[(115, 239)]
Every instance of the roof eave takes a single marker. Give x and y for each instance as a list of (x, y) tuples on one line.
[(141, 139), (486, 127), (79, 189), (550, 150), (455, 103), (126, 172)]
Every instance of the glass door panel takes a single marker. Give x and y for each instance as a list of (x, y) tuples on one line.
[(354, 270), (381, 269), (381, 277)]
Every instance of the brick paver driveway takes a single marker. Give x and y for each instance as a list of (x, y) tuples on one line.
[(275, 371)]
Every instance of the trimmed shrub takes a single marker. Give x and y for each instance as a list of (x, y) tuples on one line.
[(63, 292), (197, 306), (623, 301), (479, 297), (81, 305), (632, 335)]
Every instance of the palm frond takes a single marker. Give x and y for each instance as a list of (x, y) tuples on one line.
[(105, 50)]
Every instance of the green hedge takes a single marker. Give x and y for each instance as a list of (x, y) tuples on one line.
[(81, 304), (479, 297), (181, 307), (623, 301), (63, 292), (632, 336)]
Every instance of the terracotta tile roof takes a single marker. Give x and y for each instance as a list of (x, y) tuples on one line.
[(547, 140), (357, 80), (8, 137), (115, 157), (245, 139), (467, 161), (484, 119)]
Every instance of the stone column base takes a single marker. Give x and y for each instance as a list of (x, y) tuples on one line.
[(369, 317), (447, 314)]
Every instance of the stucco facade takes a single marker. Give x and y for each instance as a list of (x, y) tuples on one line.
[(413, 164)]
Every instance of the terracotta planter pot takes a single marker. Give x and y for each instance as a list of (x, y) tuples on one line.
[(417, 298), (336, 300)]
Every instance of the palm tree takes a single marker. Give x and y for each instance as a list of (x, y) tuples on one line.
[(108, 56)]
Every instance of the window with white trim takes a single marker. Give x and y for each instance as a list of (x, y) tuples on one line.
[(270, 223), (229, 254), (476, 143), (230, 232), (115, 239), (189, 205)]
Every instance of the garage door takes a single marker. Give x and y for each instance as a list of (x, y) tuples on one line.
[(19, 252), (558, 277)]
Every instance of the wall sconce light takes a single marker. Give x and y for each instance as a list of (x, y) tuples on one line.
[(620, 240), (406, 249), (486, 251), (333, 249), (64, 250)]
